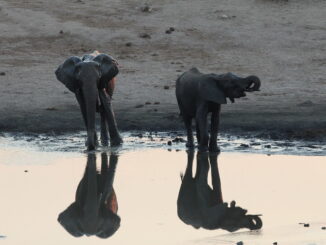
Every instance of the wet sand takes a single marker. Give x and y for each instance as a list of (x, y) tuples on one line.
[(282, 42), (286, 190)]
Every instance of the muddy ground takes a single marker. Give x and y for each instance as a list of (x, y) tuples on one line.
[(282, 42)]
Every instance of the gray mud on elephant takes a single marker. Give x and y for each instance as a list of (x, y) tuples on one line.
[(199, 94), (91, 78)]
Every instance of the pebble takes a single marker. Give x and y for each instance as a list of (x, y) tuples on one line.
[(26, 171), (240, 243), (274, 243), (169, 142), (166, 87), (306, 103), (323, 228), (51, 109), (139, 106), (2, 73), (128, 44), (156, 103), (146, 8), (224, 16), (145, 35), (147, 103), (61, 32)]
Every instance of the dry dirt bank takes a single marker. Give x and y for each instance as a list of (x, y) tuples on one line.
[(282, 42)]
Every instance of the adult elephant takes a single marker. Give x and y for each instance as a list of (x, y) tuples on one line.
[(92, 79), (94, 211), (201, 206), (199, 94)]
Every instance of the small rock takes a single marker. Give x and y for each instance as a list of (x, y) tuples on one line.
[(146, 8), (128, 44), (145, 35), (168, 32), (2, 73), (169, 142), (323, 228), (61, 32), (307, 103), (172, 29), (51, 109), (240, 243), (166, 87), (169, 150), (26, 171), (224, 16), (268, 146), (155, 110), (157, 103), (147, 103), (65, 92), (274, 243), (154, 54), (178, 70), (139, 106), (244, 146), (306, 225)]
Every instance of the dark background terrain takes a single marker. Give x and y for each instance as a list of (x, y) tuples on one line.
[(282, 42)]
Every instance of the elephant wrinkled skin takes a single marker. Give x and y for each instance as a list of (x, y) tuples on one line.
[(201, 206), (199, 94), (92, 79)]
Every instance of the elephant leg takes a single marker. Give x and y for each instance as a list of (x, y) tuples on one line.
[(104, 128), (197, 133), (115, 138), (201, 121), (82, 106), (214, 130), (190, 139)]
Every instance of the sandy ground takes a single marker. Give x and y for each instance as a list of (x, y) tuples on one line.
[(282, 42)]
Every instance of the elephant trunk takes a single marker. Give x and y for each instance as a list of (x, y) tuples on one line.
[(91, 203), (253, 83), (90, 94)]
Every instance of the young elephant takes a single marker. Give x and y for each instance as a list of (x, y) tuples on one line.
[(202, 206), (198, 94), (92, 80)]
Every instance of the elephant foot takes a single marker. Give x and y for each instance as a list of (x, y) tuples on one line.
[(202, 148), (104, 142), (116, 141), (214, 148)]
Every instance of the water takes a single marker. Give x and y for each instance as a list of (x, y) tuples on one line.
[(37, 183)]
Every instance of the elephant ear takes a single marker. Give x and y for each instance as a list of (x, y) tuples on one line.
[(209, 90), (69, 220), (65, 73), (109, 69)]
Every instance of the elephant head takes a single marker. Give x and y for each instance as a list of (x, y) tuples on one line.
[(201, 206), (86, 77), (94, 211), (217, 88)]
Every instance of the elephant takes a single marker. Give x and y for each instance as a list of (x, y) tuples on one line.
[(91, 78), (199, 94), (94, 211), (201, 206)]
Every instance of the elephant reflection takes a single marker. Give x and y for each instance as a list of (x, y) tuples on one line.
[(94, 211), (200, 205)]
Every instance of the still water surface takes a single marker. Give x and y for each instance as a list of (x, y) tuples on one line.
[(142, 188)]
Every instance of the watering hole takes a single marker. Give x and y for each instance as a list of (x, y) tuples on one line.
[(283, 183)]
